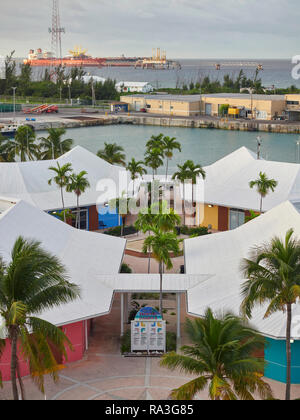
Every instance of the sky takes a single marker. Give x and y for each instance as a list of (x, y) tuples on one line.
[(184, 28)]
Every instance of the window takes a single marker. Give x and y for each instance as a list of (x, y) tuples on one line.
[(292, 102), (83, 218), (148, 106), (236, 218)]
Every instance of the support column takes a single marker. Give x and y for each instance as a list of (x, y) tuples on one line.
[(122, 314), (178, 300), (86, 336)]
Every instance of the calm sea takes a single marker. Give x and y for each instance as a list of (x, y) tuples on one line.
[(276, 72)]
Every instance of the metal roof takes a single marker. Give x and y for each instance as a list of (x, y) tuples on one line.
[(221, 255)]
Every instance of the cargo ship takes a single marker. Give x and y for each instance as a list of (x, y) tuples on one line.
[(77, 58)]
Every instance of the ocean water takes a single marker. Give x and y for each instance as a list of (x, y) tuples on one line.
[(203, 146), (276, 72)]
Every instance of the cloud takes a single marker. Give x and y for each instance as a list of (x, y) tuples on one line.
[(185, 28)]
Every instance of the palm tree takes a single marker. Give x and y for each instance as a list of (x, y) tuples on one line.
[(53, 146), (162, 245), (264, 186), (33, 281), (194, 172), (222, 358), (154, 159), (273, 274), (121, 206), (61, 178), (7, 152), (78, 184), (23, 145), (155, 142), (166, 219), (144, 222), (182, 175), (135, 168), (169, 145), (113, 154)]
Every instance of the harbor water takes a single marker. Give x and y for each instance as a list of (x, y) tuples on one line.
[(203, 146)]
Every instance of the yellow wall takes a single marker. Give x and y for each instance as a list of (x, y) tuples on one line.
[(268, 106), (206, 215), (164, 106)]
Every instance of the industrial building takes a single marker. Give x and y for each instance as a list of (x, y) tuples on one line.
[(177, 105), (230, 105), (142, 87)]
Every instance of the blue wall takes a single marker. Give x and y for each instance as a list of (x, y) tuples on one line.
[(108, 218), (275, 356)]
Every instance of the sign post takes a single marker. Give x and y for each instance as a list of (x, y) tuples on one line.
[(148, 332)]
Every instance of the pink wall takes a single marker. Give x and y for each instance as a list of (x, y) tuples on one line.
[(75, 333)]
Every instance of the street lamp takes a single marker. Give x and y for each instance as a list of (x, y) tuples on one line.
[(259, 144), (298, 150)]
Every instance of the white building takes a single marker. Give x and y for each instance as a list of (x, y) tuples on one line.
[(142, 87)]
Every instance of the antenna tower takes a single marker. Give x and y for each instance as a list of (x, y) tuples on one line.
[(56, 30)]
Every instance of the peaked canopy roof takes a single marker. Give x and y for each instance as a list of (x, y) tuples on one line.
[(221, 254), (85, 255), (227, 181), (29, 180)]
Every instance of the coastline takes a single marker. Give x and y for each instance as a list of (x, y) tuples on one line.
[(89, 119)]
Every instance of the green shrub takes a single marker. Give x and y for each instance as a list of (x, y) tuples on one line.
[(125, 269), (192, 231), (117, 230)]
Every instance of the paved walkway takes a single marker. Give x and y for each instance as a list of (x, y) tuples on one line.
[(104, 374)]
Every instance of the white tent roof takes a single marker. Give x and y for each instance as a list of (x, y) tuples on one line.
[(86, 256), (29, 180), (221, 254), (227, 181)]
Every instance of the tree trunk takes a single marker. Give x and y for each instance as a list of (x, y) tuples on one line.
[(184, 222), (288, 352), (13, 365), (167, 169), (22, 389), (261, 204), (63, 203), (161, 291), (78, 214), (149, 258)]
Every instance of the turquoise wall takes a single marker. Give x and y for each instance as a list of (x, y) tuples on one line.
[(275, 356)]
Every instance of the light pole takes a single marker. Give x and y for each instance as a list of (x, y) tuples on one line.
[(259, 143), (14, 89), (298, 150)]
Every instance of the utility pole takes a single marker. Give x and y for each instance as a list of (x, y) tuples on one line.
[(14, 89), (259, 143)]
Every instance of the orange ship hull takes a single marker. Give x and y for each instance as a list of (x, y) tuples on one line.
[(67, 62)]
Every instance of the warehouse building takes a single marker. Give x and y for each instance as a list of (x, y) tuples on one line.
[(177, 105), (231, 105), (239, 105)]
